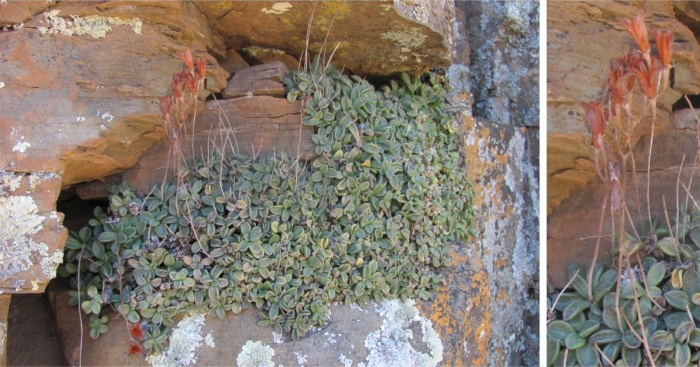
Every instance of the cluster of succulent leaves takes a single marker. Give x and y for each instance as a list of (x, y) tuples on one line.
[(368, 219), (666, 286)]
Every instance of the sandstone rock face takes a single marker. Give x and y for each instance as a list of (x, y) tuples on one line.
[(248, 125), (582, 38), (383, 42), (576, 73)]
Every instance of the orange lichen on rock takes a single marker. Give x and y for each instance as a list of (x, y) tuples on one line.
[(464, 323)]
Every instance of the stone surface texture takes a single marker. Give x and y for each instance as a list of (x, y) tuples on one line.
[(84, 109), (4, 313), (500, 140), (373, 38), (577, 69)]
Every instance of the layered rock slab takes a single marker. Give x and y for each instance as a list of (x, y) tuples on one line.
[(259, 125), (386, 38)]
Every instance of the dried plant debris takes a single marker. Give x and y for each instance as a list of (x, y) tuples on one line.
[(369, 219)]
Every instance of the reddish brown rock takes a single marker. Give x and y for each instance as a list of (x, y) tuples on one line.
[(13, 13), (259, 125), (233, 62), (31, 338), (258, 80), (387, 38), (582, 38), (267, 55)]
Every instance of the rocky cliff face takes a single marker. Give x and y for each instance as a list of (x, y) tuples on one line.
[(79, 84), (582, 38)]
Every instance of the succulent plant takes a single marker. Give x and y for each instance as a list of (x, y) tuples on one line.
[(662, 290), (368, 219)]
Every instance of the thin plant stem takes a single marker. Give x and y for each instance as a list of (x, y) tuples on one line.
[(554, 304), (80, 310), (597, 248), (639, 317), (670, 233)]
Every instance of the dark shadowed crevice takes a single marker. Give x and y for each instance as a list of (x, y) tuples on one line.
[(682, 103)]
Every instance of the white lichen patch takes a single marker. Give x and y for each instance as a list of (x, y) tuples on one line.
[(390, 345), (278, 8), (209, 340), (184, 341), (2, 85), (19, 219), (107, 116), (9, 181), (256, 50), (301, 358), (277, 338), (255, 354), (345, 361), (94, 25), (21, 145), (409, 40), (49, 264)]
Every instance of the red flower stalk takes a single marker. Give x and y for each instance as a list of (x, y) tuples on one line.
[(187, 59), (645, 76), (164, 106), (191, 83), (596, 122), (176, 88), (616, 76), (136, 331), (638, 30), (664, 45), (135, 349), (201, 68), (615, 170)]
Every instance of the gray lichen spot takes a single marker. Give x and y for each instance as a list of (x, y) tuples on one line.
[(278, 8), (409, 40), (19, 220), (94, 25), (255, 354), (184, 342), (390, 345)]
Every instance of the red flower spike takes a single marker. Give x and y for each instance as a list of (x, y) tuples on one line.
[(164, 105), (645, 76), (629, 59), (192, 84), (135, 349), (201, 68), (616, 75), (638, 30), (596, 121), (664, 45), (136, 332), (187, 59)]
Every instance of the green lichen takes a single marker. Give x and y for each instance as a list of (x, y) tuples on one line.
[(390, 345), (255, 354), (19, 220), (184, 342), (409, 40), (94, 25)]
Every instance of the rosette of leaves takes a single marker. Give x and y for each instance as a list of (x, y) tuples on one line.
[(607, 329), (369, 219)]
